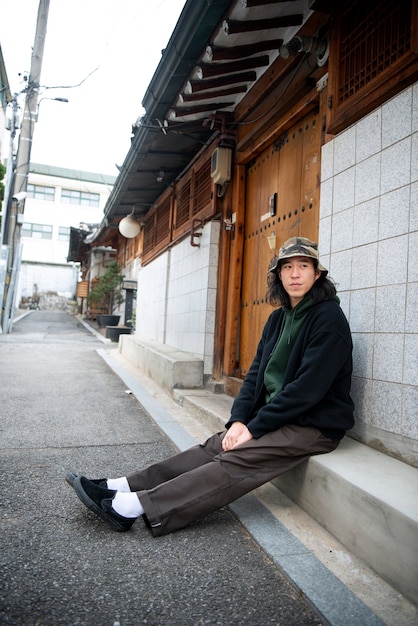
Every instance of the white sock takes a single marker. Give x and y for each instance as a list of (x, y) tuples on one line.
[(127, 504), (118, 484)]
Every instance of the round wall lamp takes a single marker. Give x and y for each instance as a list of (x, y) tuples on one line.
[(129, 226)]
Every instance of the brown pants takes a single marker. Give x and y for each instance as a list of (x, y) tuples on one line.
[(198, 481)]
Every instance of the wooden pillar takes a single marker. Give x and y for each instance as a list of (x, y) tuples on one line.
[(233, 302)]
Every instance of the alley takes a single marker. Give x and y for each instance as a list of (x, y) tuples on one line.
[(63, 408)]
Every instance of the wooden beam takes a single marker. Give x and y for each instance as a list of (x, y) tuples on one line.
[(272, 128), (322, 6), (214, 83), (233, 27), (277, 72), (218, 53), (247, 4), (222, 208), (219, 69), (202, 108), (219, 93), (233, 305)]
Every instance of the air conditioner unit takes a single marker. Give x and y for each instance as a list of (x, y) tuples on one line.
[(220, 169)]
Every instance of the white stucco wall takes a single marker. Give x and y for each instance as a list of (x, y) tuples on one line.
[(151, 295), (37, 278), (177, 295), (369, 239)]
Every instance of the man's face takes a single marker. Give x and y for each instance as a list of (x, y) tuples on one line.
[(298, 274)]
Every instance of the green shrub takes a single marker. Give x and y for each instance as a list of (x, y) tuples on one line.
[(107, 295)]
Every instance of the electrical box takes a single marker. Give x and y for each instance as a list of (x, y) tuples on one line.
[(221, 165)]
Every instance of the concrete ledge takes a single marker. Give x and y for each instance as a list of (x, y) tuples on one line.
[(169, 367), (369, 502), (366, 499)]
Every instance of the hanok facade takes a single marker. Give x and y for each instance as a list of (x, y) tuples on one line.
[(265, 120)]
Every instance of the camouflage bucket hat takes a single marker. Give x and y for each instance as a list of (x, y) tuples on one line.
[(298, 246)]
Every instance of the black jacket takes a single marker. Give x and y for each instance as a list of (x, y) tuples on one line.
[(316, 388)]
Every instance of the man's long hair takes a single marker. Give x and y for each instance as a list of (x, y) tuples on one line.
[(322, 289)]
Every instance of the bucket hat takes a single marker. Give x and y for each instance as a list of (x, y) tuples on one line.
[(297, 246)]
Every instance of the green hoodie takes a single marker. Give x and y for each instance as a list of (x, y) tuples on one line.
[(276, 367)]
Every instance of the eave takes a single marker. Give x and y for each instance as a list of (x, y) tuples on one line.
[(216, 54)]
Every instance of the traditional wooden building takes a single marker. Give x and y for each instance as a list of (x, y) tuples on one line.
[(265, 120)]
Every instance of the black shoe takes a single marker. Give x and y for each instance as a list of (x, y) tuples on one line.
[(71, 476), (99, 500)]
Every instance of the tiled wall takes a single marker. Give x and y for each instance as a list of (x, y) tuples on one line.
[(177, 296), (151, 294), (369, 239)]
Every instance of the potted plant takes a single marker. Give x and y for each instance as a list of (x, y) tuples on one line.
[(114, 332), (106, 295)]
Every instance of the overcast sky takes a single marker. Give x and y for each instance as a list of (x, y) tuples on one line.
[(122, 38)]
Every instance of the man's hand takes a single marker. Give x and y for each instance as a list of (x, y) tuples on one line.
[(235, 436)]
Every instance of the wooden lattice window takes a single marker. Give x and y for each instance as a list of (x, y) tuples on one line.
[(163, 222), (169, 221), (157, 229), (130, 251), (183, 204), (202, 188), (149, 233), (371, 56), (194, 197)]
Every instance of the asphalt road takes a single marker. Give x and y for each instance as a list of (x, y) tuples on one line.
[(62, 408)]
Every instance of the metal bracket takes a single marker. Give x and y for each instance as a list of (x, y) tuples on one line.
[(196, 223)]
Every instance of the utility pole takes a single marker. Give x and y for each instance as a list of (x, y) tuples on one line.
[(12, 124), (16, 202)]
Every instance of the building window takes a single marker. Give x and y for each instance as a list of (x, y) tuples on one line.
[(192, 198), (183, 203), (39, 192), (202, 188), (372, 56), (83, 198), (64, 233), (37, 231), (157, 228)]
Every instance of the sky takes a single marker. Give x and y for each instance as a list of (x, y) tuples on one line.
[(113, 48)]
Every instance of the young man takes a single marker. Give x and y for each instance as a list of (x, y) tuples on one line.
[(294, 402)]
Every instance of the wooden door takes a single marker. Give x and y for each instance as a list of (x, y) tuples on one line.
[(289, 172)]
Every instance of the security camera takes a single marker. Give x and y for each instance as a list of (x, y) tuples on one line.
[(20, 196)]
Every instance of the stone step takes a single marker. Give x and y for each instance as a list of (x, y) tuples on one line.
[(172, 368)]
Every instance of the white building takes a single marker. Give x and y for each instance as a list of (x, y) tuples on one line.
[(57, 199)]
